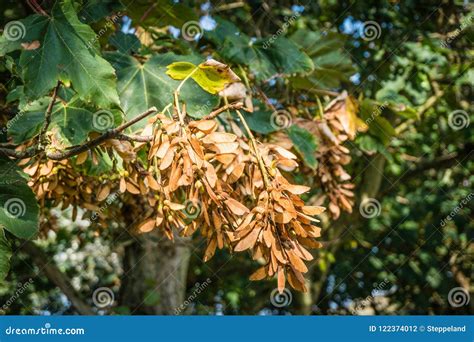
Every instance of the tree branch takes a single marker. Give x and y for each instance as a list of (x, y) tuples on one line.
[(115, 133), (111, 134), (58, 278), (438, 163)]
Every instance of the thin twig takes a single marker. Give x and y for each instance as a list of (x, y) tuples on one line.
[(28, 153), (253, 143), (421, 111), (47, 115), (323, 92), (110, 134), (232, 106), (115, 133), (230, 6), (36, 7), (134, 138)]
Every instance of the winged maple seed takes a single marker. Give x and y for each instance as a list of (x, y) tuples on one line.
[(338, 125), (183, 176), (218, 171), (278, 231)]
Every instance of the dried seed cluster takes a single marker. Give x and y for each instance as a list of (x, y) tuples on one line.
[(194, 176), (338, 125)]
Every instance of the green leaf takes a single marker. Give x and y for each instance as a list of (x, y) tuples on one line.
[(144, 85), (19, 213), (94, 10), (264, 57), (260, 120), (305, 143), (5, 255), (67, 51), (382, 128), (125, 43), (332, 65), (70, 123), (212, 76), (20, 31), (159, 12)]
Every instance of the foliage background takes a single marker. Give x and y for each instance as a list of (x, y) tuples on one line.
[(406, 259)]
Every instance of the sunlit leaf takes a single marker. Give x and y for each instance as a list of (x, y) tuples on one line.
[(144, 85)]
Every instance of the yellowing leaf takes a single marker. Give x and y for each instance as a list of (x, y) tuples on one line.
[(212, 76), (180, 70)]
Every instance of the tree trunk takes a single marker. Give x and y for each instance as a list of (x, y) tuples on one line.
[(155, 272)]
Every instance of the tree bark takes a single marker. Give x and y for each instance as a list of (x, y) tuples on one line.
[(58, 278), (155, 273)]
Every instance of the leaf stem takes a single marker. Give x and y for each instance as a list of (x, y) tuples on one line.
[(176, 95), (47, 115), (185, 79), (253, 143)]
